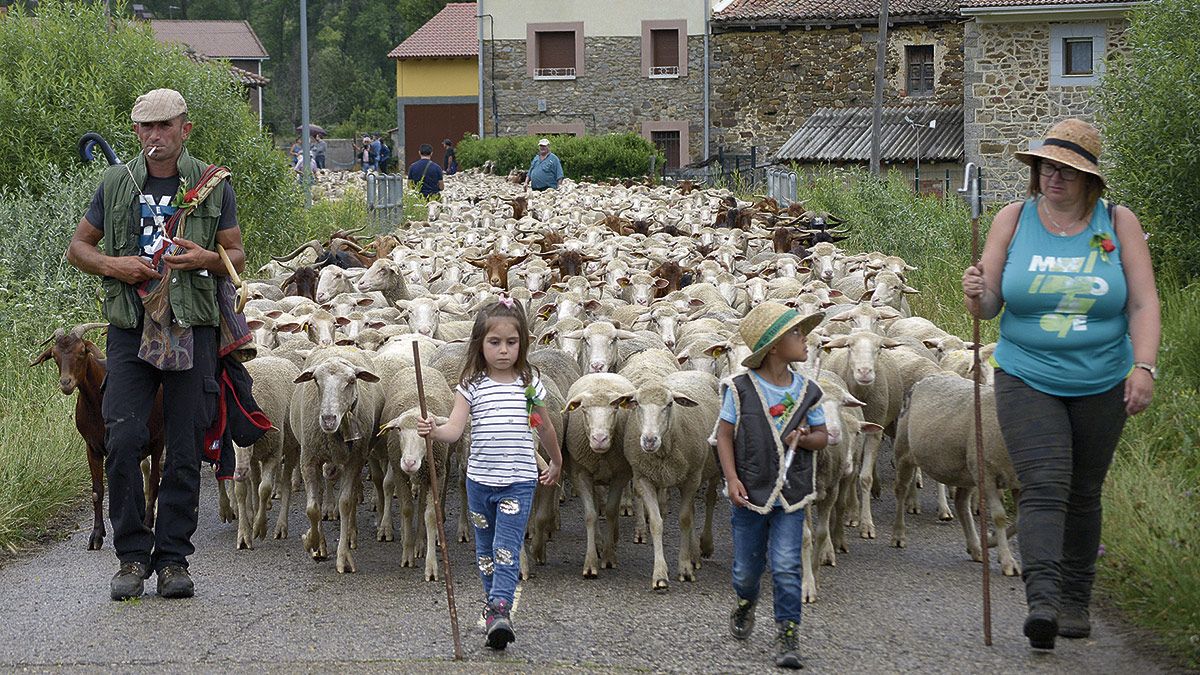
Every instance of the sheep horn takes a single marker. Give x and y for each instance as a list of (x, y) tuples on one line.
[(314, 244)]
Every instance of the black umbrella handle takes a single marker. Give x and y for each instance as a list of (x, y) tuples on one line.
[(88, 143)]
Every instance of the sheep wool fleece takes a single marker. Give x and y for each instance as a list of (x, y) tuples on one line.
[(193, 296), (761, 470)]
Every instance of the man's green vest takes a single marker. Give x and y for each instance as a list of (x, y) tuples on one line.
[(193, 296)]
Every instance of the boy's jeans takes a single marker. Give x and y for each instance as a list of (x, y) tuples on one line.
[(499, 515), (780, 534)]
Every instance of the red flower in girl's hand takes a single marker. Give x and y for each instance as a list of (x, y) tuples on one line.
[(777, 409), (535, 420), (1108, 245)]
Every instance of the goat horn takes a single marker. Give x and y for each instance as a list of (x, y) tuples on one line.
[(83, 328), (293, 254), (58, 333), (347, 243)]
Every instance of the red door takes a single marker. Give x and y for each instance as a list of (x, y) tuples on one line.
[(432, 123)]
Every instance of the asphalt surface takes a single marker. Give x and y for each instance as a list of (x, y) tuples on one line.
[(273, 609)]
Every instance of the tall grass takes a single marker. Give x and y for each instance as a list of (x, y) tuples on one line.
[(1151, 565)]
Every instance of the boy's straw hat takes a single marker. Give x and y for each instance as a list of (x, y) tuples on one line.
[(1072, 142), (768, 322)]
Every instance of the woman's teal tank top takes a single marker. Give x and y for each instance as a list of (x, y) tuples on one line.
[(1064, 330)]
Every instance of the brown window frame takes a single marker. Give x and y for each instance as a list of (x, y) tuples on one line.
[(531, 45), (576, 129), (925, 63), (648, 28), (681, 126)]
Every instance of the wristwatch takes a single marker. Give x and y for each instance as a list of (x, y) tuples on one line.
[(1148, 367)]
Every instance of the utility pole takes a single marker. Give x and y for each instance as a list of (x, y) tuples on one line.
[(304, 121), (880, 61)]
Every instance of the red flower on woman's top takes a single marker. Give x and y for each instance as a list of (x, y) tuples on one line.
[(1108, 245), (1102, 241), (777, 409)]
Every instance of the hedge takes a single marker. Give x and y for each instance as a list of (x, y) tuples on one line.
[(597, 157)]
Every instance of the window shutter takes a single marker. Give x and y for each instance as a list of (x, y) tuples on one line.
[(665, 46), (556, 49)]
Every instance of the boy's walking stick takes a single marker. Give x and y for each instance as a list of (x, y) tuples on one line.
[(971, 191), (437, 509)]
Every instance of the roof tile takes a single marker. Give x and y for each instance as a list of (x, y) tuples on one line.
[(1029, 3), (817, 10), (450, 33), (214, 39)]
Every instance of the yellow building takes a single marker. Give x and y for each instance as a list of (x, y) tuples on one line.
[(437, 81)]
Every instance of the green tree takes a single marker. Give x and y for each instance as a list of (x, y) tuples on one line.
[(1151, 101)]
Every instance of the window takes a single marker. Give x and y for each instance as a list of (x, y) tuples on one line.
[(664, 49), (555, 50), (1077, 56), (668, 142), (919, 76)]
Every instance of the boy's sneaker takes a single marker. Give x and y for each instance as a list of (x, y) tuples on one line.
[(175, 582), (129, 581), (499, 627), (787, 655), (741, 619), (1074, 622)]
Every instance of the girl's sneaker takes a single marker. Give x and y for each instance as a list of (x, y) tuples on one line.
[(788, 655), (499, 627), (741, 619)]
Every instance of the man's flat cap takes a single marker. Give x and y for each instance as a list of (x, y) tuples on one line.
[(158, 106)]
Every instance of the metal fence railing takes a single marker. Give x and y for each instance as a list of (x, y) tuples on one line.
[(385, 200), (781, 185)]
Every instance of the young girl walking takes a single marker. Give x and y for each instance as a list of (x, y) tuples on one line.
[(503, 397)]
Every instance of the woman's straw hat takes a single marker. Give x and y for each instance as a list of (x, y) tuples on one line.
[(1072, 142), (766, 323)]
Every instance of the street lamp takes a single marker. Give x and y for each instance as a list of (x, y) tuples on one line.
[(932, 125)]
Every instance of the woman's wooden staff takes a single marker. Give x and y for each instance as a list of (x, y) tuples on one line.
[(971, 191), (437, 509)]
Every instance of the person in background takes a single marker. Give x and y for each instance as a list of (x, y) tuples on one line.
[(385, 156), (376, 152), (545, 171), (294, 153), (427, 173), (365, 153), (1077, 354), (449, 160), (319, 148)]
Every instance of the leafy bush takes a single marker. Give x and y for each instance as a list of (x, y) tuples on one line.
[(1152, 140), (600, 157), (65, 75)]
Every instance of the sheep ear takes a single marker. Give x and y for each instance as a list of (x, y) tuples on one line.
[(592, 305), (870, 427), (685, 401), (910, 290), (661, 283), (573, 404), (717, 350), (682, 359), (622, 281), (574, 335), (366, 376), (547, 337), (889, 343), (851, 402), (833, 293), (306, 376), (627, 402), (836, 343)]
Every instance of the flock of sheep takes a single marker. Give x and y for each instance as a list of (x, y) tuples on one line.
[(633, 294)]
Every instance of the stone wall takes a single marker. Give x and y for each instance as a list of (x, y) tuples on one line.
[(611, 96), (765, 84), (1009, 100)]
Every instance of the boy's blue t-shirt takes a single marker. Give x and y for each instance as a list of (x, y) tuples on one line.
[(774, 395)]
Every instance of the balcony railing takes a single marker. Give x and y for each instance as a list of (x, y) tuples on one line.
[(554, 73), (664, 71)]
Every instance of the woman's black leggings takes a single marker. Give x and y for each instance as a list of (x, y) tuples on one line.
[(1061, 448)]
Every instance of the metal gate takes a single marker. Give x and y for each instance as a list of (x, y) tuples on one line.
[(385, 200), (781, 185)]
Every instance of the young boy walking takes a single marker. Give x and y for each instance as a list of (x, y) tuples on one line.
[(769, 426)]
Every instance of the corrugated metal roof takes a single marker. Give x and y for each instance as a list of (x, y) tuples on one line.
[(799, 10), (450, 33), (215, 39), (844, 134)]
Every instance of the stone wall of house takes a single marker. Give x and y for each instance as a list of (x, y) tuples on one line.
[(612, 95), (1008, 98), (765, 84)]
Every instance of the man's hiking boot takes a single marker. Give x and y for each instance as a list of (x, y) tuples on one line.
[(788, 655), (129, 581), (175, 582), (741, 619), (1074, 622), (1041, 626), (499, 627)]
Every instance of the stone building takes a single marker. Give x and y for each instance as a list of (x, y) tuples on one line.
[(1028, 65), (571, 67), (777, 62)]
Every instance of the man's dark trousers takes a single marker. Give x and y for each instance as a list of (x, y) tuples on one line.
[(189, 407)]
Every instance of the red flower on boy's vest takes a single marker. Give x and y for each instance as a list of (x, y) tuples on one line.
[(777, 409), (535, 420)]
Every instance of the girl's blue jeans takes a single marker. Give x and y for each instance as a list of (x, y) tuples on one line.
[(499, 515), (781, 535)]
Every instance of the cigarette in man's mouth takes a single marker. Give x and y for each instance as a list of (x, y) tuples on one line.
[(150, 152)]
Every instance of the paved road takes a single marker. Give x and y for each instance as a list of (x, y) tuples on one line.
[(273, 609)]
